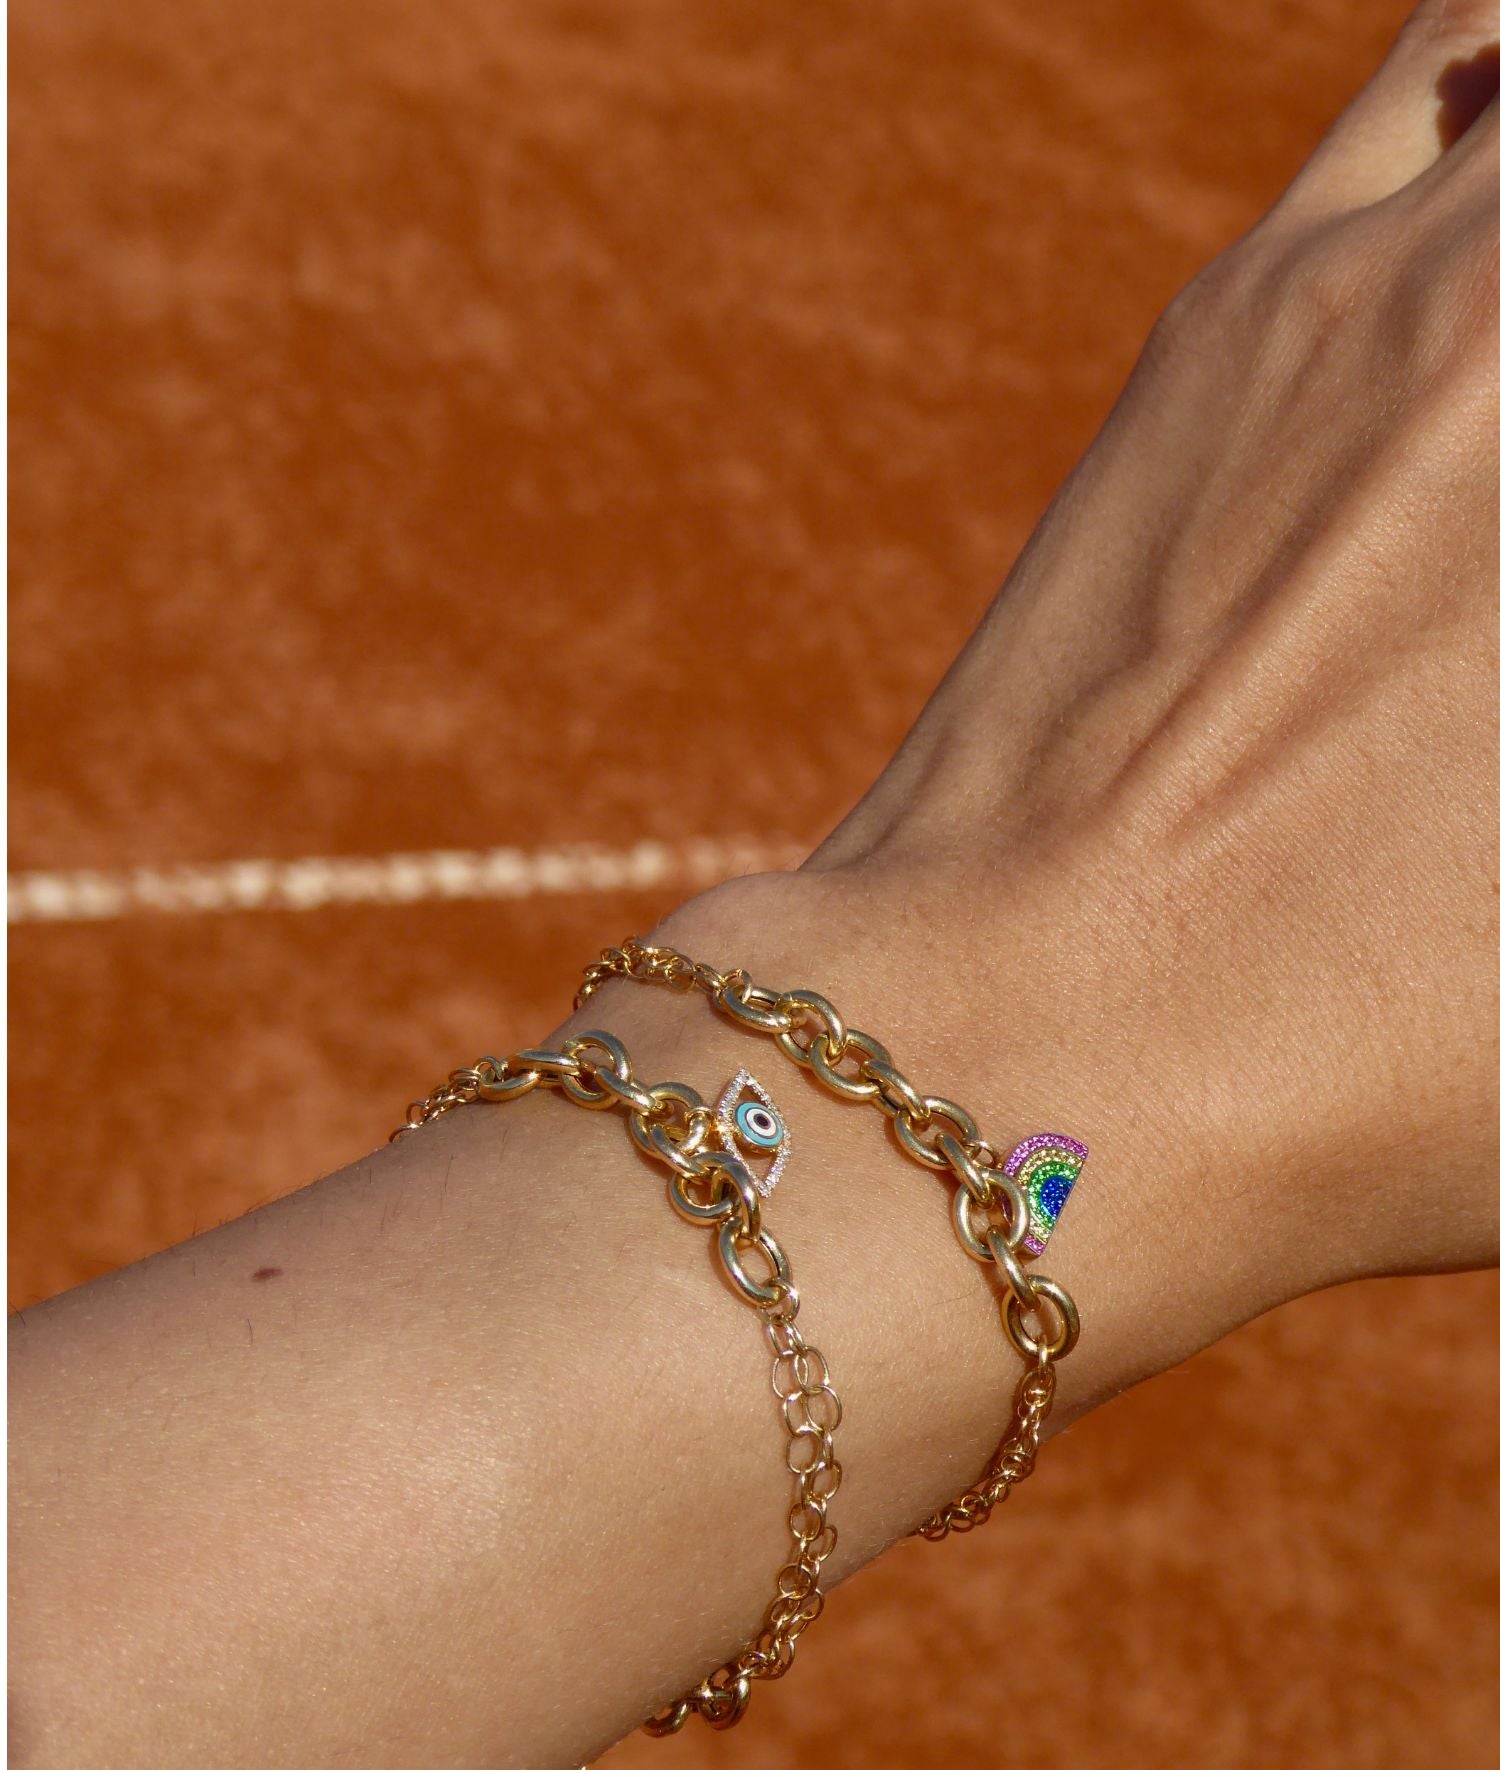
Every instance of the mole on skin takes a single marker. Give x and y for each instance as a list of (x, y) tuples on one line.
[(267, 1272)]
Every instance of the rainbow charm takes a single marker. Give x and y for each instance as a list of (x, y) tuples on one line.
[(1047, 1166)]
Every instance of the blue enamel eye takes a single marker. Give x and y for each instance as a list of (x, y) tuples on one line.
[(757, 1124)]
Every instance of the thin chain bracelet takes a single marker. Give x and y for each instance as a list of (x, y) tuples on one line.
[(1002, 1206), (709, 1185)]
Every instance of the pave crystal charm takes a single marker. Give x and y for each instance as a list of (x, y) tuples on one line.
[(753, 1129), (1047, 1166)]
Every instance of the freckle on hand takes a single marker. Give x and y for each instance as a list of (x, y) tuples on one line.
[(266, 1272)]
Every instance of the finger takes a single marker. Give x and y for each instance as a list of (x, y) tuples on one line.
[(1422, 98)]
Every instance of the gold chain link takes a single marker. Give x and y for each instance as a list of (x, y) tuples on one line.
[(991, 1213), (708, 1185)]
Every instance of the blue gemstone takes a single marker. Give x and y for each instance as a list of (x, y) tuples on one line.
[(1052, 1195)]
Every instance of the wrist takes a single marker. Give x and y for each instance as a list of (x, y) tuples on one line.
[(1165, 1245)]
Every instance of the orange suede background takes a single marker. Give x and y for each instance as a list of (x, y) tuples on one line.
[(409, 404)]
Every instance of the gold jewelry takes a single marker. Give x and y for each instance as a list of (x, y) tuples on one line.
[(711, 1186), (1001, 1207)]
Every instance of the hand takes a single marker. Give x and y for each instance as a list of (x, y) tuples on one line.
[(1196, 851)]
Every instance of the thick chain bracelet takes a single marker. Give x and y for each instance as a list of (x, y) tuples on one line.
[(710, 1186), (1002, 1206)]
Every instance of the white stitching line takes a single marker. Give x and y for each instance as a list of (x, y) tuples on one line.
[(437, 875)]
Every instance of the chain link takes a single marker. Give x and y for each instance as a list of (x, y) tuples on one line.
[(1011, 1463), (991, 1213), (710, 1186)]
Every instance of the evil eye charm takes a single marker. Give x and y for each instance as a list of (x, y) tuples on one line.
[(753, 1129), (1047, 1166), (757, 1124)]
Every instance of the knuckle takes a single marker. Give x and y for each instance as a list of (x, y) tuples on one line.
[(1417, 300), (1439, 315), (1196, 318), (1323, 283), (1268, 291)]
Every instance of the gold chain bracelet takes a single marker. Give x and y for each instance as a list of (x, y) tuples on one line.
[(708, 1185), (1002, 1207)]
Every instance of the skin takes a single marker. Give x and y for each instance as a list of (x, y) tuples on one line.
[(1195, 854)]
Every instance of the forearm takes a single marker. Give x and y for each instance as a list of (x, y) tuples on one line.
[(471, 1445)]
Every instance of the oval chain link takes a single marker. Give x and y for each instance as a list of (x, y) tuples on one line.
[(935, 1132)]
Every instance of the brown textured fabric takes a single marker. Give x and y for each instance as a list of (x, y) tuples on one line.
[(407, 401)]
